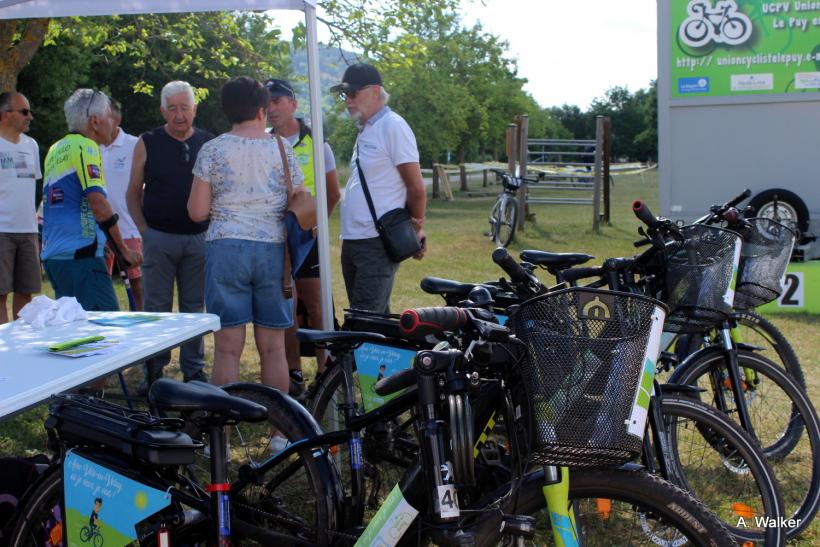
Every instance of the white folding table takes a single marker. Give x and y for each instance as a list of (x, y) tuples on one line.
[(29, 374)]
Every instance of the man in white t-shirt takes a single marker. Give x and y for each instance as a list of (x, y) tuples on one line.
[(19, 171), (386, 149), (116, 159)]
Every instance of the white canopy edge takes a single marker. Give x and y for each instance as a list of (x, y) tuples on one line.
[(24, 9)]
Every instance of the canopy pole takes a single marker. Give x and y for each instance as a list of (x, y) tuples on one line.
[(317, 132)]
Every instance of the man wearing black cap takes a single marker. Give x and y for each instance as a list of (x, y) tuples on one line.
[(388, 156), (281, 115)]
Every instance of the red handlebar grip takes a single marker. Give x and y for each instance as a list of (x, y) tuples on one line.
[(424, 321), (643, 213)]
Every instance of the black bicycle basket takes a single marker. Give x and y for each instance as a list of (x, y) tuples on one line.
[(587, 353), (700, 277), (766, 251)]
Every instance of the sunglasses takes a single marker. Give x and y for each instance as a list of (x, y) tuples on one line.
[(90, 102), (185, 155), (23, 111), (344, 95)]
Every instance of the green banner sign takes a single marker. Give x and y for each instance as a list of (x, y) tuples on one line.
[(724, 48)]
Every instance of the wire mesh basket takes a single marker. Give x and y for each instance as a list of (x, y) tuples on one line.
[(767, 248), (588, 373), (700, 278)]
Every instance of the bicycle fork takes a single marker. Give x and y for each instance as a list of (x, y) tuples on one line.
[(737, 383), (562, 517)]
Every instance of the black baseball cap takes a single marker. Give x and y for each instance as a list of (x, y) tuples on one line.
[(356, 77), (280, 88)]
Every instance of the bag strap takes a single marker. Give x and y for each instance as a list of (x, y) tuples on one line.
[(287, 290), (366, 189), (285, 164)]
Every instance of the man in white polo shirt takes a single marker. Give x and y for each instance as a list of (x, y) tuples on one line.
[(19, 171), (389, 158), (116, 160)]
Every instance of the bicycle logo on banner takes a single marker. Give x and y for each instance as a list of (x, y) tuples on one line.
[(722, 24)]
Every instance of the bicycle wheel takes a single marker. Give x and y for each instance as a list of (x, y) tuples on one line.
[(297, 497), (783, 420), (41, 520), (718, 463), (507, 220), (388, 447), (98, 540), (619, 507), (760, 332)]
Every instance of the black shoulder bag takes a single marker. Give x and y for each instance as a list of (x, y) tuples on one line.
[(394, 227)]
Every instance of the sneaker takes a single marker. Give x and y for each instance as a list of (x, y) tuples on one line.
[(297, 383), (277, 444)]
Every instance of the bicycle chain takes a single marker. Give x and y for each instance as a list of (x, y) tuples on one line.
[(293, 522)]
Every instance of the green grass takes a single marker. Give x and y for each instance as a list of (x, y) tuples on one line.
[(459, 250)]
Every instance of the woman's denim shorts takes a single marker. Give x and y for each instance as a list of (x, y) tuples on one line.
[(243, 283)]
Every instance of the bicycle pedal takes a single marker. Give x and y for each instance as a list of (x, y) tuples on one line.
[(522, 526)]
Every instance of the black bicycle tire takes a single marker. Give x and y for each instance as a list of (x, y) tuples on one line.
[(779, 343), (510, 203), (279, 418), (47, 492), (744, 450), (639, 489), (803, 418)]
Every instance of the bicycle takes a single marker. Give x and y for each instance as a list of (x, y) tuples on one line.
[(746, 386), (751, 481), (504, 214), (91, 534), (764, 257), (135, 446)]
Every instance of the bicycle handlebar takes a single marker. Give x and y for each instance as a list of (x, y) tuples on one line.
[(424, 321), (507, 263), (740, 197), (643, 213)]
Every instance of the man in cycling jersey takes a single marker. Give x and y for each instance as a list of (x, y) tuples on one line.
[(75, 208)]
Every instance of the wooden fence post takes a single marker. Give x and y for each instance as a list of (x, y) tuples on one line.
[(523, 123), (606, 155), (596, 191), (435, 181), (512, 147), (463, 173)]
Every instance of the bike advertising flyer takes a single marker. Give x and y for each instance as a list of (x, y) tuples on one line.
[(723, 48), (374, 362), (102, 507)]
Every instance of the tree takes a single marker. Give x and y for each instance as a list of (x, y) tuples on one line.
[(19, 40), (132, 57)]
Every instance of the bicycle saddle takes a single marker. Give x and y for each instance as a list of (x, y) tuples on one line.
[(437, 285), (561, 260), (331, 336), (220, 407)]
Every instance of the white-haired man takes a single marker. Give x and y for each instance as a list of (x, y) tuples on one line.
[(174, 245), (387, 154), (75, 209)]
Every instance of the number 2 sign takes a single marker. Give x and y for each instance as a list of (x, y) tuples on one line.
[(793, 294)]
